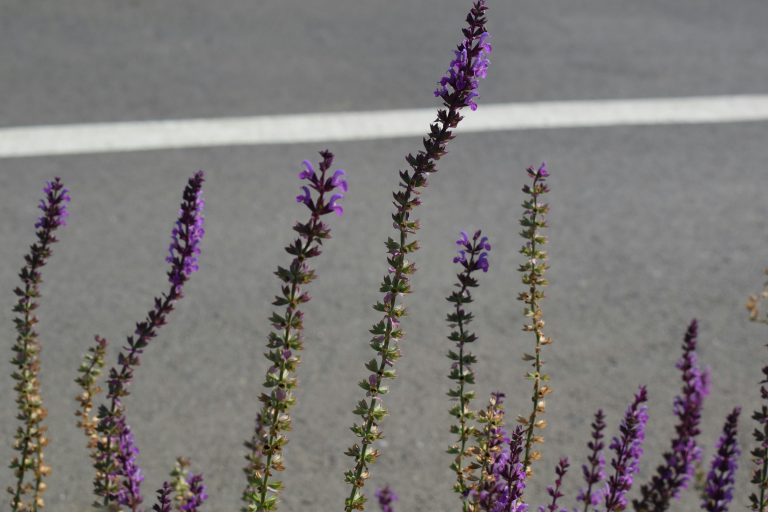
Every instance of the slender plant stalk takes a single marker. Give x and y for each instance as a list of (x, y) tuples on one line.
[(533, 222), (470, 64), (31, 436), (113, 444), (472, 258), (285, 342)]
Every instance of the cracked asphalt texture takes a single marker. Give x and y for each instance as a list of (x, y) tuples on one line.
[(651, 226)]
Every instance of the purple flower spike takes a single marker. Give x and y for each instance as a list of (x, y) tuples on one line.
[(680, 463), (187, 233), (718, 491), (470, 63), (386, 497), (628, 449), (554, 490)]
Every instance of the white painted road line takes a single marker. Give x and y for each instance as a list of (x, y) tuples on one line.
[(343, 126)]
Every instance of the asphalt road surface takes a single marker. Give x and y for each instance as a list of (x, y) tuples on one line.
[(651, 226)]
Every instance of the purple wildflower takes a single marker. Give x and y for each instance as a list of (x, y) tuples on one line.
[(680, 463), (338, 181), (470, 63), (163, 498), (595, 472), (323, 185), (308, 172), (554, 490), (478, 257), (628, 449), (187, 233), (197, 494), (509, 473), (718, 491), (386, 497), (54, 206)]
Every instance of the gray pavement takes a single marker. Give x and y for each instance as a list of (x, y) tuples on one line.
[(651, 226)]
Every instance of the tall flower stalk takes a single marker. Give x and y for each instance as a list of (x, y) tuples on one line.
[(285, 342), (117, 477), (31, 438), (680, 463), (534, 222), (718, 491), (457, 89), (554, 491), (472, 257)]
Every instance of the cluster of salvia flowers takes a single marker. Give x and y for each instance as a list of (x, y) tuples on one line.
[(492, 463)]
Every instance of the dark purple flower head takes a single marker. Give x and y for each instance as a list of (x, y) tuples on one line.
[(628, 448), (322, 185), (718, 491), (54, 205), (470, 62), (386, 497), (187, 233), (472, 253), (554, 491)]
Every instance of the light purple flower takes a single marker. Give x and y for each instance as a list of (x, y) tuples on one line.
[(129, 492), (305, 197), (309, 172), (337, 181), (332, 204)]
